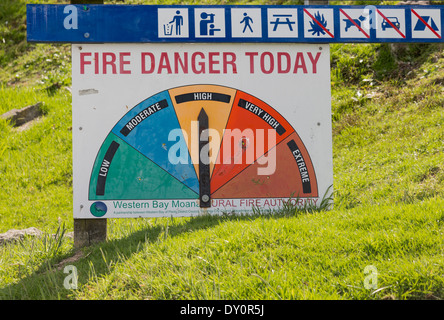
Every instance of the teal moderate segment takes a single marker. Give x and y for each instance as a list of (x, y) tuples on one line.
[(129, 175), (152, 128)]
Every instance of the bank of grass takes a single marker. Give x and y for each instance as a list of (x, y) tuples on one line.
[(36, 162), (316, 256), (389, 213), (323, 255), (390, 127), (387, 105)]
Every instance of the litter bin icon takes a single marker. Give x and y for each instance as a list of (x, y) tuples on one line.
[(168, 29)]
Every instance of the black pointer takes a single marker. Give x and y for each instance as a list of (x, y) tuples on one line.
[(204, 161)]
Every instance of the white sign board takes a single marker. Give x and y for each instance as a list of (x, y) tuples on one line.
[(137, 141)]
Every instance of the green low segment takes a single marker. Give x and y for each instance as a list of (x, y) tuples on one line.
[(130, 175)]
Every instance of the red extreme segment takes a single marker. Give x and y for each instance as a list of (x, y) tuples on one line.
[(293, 170)]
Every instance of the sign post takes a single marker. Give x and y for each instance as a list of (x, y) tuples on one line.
[(187, 110), (89, 231)]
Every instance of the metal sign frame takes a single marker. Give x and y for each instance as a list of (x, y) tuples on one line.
[(295, 24)]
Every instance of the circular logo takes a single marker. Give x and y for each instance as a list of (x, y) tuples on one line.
[(98, 209)]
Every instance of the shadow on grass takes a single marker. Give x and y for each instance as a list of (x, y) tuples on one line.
[(49, 280)]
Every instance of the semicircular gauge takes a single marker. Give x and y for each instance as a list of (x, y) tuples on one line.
[(153, 151)]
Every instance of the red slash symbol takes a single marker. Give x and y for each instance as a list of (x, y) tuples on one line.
[(391, 24), (355, 23), (426, 24), (318, 23)]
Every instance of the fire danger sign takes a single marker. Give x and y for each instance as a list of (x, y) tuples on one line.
[(170, 129)]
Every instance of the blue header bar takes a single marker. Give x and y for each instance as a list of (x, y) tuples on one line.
[(237, 24)]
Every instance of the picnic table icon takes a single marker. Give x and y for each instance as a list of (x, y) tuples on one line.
[(278, 21)]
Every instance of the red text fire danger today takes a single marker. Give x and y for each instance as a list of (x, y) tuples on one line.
[(198, 62)]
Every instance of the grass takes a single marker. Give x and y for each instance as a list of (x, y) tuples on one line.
[(278, 258), (36, 164), (398, 122), (387, 109), (316, 256)]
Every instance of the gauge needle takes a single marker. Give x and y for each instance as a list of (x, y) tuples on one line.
[(204, 160)]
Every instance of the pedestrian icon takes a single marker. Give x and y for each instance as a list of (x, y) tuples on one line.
[(173, 23), (246, 21), (210, 22)]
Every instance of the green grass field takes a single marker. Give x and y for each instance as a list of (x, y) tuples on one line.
[(384, 238)]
